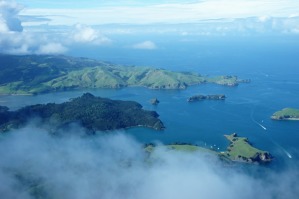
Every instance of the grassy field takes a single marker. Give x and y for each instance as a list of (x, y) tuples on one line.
[(182, 148), (240, 147), (241, 150)]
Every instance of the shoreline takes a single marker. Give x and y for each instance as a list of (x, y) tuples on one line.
[(285, 119)]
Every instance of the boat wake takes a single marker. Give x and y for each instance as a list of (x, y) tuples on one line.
[(283, 149), (262, 126), (288, 154)]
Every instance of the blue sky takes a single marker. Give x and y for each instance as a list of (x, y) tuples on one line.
[(144, 12), (52, 26), (96, 3)]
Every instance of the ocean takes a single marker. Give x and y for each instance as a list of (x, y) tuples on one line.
[(271, 64)]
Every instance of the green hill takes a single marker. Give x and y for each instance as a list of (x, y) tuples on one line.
[(33, 74), (93, 113)]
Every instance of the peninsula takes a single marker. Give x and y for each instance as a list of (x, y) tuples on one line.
[(286, 114), (206, 97), (239, 150), (93, 113), (34, 74)]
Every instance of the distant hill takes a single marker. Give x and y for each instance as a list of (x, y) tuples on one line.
[(93, 113), (34, 74)]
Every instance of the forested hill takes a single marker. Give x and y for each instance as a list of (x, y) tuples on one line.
[(93, 113), (33, 74)]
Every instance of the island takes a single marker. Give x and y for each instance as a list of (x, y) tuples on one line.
[(206, 97), (239, 150), (227, 80), (286, 114), (154, 101), (35, 74), (93, 113)]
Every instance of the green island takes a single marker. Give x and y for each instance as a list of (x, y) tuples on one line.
[(34, 74), (286, 114), (239, 150), (93, 113), (206, 97)]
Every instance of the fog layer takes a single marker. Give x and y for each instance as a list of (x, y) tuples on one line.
[(35, 164)]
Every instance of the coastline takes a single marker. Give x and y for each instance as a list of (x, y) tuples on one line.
[(285, 119)]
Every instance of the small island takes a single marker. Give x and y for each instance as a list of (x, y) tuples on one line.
[(239, 150), (286, 114), (206, 97), (93, 113), (154, 101)]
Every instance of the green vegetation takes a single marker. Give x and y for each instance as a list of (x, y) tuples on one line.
[(286, 114), (241, 150), (227, 80), (93, 113), (33, 74), (189, 148), (181, 147)]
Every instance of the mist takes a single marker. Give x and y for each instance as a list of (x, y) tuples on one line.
[(36, 164)]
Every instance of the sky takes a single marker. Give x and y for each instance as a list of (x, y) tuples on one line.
[(52, 27), (143, 12)]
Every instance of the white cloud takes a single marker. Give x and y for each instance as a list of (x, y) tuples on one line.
[(257, 13), (146, 45), (115, 166), (86, 34), (51, 48), (9, 20), (14, 40), (191, 12)]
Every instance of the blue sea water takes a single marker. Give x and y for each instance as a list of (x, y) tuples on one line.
[(272, 65)]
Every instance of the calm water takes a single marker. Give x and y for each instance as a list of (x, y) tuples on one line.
[(272, 67)]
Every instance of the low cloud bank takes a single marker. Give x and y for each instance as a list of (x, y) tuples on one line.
[(34, 163), (146, 45)]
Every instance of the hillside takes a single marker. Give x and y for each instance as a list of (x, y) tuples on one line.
[(93, 113), (34, 74), (286, 114)]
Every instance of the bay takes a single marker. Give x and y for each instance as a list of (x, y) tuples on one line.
[(274, 73)]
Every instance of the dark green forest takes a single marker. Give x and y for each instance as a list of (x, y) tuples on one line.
[(93, 113)]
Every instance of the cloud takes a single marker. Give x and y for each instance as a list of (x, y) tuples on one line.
[(51, 48), (14, 40), (35, 163), (9, 20), (146, 45), (165, 12), (86, 34)]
